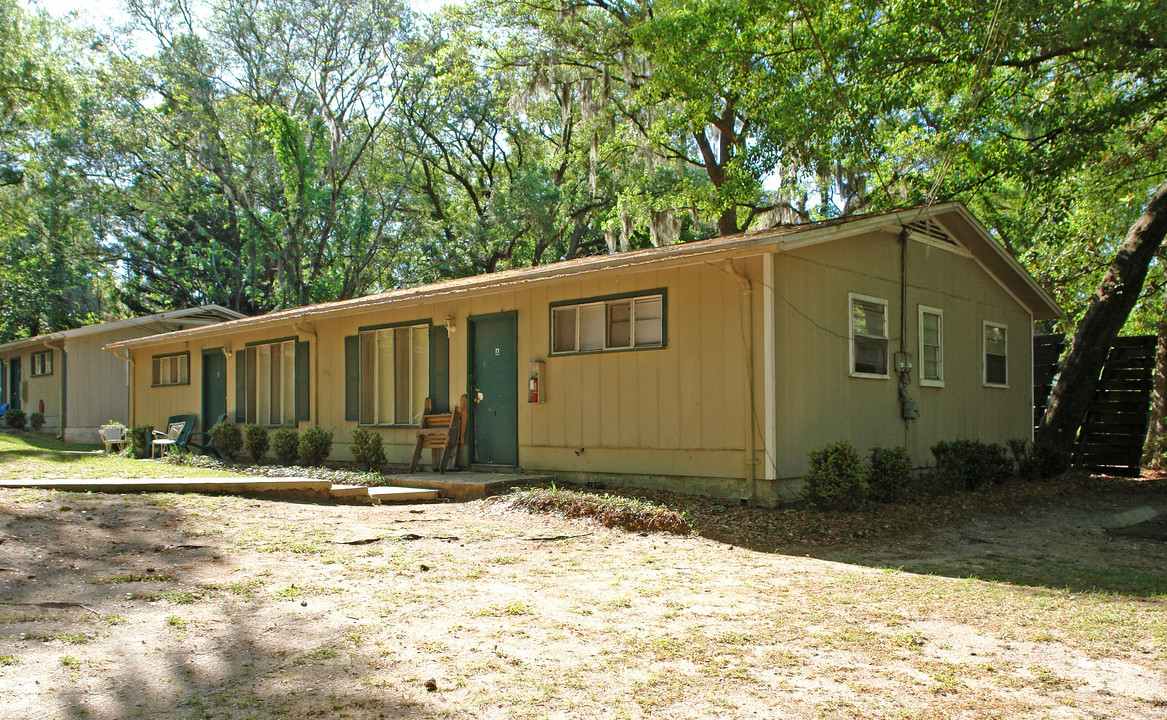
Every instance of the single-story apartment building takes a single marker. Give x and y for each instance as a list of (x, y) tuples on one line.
[(79, 388), (710, 367)]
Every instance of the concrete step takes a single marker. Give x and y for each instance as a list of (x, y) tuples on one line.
[(464, 485), (382, 494), (278, 487), (227, 486)]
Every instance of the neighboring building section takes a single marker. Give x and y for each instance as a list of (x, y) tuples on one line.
[(710, 367), (78, 387)]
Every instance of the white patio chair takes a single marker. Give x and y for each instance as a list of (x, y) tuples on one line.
[(166, 439), (114, 436)]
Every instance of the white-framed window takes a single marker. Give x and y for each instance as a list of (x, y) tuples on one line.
[(271, 384), (931, 347), (868, 336), (171, 369), (394, 375), (42, 363), (996, 354), (616, 324)]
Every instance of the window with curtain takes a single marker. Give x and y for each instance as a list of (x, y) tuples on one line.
[(271, 384), (393, 375), (617, 324), (171, 369)]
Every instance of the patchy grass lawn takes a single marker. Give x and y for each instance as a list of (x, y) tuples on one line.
[(31, 456), (190, 607)]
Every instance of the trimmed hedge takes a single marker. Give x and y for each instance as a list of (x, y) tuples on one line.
[(969, 464), (836, 477), (285, 443), (15, 418), (891, 476), (367, 451), (315, 445), (228, 439), (141, 437), (256, 441)]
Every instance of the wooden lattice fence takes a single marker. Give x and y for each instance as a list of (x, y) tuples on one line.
[(1111, 437)]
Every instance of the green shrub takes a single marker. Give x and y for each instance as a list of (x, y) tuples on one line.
[(1038, 461), (891, 474), (228, 439), (836, 477), (15, 418), (367, 451), (969, 464), (37, 421), (286, 445), (315, 445), (141, 438), (255, 441)]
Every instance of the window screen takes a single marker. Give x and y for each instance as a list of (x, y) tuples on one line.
[(996, 355), (869, 336)]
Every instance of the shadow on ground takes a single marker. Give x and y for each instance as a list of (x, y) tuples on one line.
[(1040, 534), (106, 611)]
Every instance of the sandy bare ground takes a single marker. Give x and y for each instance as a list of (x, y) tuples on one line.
[(165, 606)]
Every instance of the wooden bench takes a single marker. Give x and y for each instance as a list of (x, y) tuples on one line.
[(442, 433)]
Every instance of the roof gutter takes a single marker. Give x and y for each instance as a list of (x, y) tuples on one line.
[(676, 254), (747, 298), (130, 360)]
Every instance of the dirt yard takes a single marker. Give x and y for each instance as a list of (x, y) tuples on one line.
[(165, 606)]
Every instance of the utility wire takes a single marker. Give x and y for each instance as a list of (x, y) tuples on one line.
[(840, 92), (993, 36)]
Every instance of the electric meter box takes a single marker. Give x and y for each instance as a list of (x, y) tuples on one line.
[(536, 385)]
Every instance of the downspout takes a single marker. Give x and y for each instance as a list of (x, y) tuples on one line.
[(747, 294), (64, 385), (314, 367), (905, 375), (130, 361)]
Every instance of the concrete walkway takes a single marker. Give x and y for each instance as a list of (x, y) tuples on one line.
[(467, 485), (415, 487), (283, 487)]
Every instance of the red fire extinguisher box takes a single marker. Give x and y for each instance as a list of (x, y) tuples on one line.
[(536, 385)]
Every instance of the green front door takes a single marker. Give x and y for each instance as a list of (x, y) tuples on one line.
[(494, 390), (14, 383), (214, 387)]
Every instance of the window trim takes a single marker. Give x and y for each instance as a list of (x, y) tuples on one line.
[(249, 381), (274, 341), (154, 358), (851, 298), (429, 323), (663, 293), (47, 357), (937, 381), (985, 325)]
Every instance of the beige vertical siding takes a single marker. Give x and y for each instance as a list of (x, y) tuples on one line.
[(43, 388), (684, 410), (98, 386), (622, 412), (817, 399)]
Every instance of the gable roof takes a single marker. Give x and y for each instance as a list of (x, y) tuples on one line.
[(964, 231), (162, 322)]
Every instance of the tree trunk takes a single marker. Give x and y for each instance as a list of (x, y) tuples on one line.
[(1158, 424), (1108, 311)]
